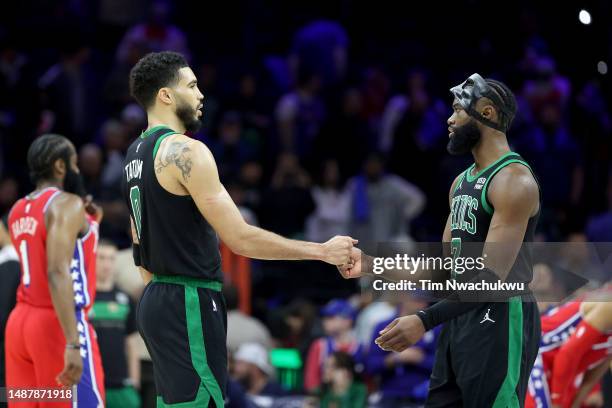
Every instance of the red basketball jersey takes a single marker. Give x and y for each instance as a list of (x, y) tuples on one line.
[(29, 236)]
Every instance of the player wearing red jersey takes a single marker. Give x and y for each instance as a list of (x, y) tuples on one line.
[(576, 342), (48, 338)]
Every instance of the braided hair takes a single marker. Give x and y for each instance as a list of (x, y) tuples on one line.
[(508, 100), (43, 152)]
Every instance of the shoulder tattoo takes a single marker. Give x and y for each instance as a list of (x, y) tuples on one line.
[(179, 154)]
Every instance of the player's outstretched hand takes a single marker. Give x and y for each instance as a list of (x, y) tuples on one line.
[(337, 251), (356, 268), (401, 333), (73, 367), (93, 209)]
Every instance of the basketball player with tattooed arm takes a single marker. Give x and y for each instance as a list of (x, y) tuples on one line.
[(487, 348), (178, 206)]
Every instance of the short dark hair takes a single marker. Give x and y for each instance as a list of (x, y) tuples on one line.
[(508, 99), (153, 72), (43, 152), (344, 361)]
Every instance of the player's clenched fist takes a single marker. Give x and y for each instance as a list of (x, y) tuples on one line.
[(358, 266), (337, 251)]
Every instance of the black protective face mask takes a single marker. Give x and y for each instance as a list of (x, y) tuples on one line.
[(73, 183), (464, 138)]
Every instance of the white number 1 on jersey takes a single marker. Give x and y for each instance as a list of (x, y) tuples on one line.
[(25, 263)]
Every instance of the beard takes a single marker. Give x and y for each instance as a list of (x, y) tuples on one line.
[(188, 116), (73, 183), (464, 138)]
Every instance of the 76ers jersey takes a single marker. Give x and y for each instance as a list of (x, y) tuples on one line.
[(559, 325), (29, 236)]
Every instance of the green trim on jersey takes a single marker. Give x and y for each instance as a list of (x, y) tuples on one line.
[(483, 196), (153, 129), (195, 332), (109, 310), (159, 140), (189, 281), (471, 178), (506, 396)]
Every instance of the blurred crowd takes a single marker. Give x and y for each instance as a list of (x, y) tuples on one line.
[(320, 133)]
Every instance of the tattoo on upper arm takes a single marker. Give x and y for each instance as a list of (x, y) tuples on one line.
[(179, 154)]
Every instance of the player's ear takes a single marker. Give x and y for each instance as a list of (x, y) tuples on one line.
[(59, 168), (489, 112), (165, 95)]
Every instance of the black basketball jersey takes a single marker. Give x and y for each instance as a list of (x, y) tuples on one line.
[(175, 239), (471, 214)]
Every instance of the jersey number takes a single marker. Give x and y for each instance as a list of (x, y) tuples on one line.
[(25, 262), (455, 251), (136, 208)]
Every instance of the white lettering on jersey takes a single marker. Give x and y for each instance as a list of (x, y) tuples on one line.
[(24, 225), (133, 170)]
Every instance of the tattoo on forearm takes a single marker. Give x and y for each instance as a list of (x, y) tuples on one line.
[(179, 154)]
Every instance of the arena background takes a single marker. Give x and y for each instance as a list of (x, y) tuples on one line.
[(304, 101)]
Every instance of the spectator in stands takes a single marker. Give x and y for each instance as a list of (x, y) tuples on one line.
[(415, 122), (374, 308), (300, 115), (375, 90), (68, 92), (114, 139), (252, 369), (300, 318), (251, 179), (90, 163), (289, 189), (114, 318), (233, 147), (241, 328), (338, 316), (382, 204), (117, 88), (347, 127), (238, 194), (341, 389), (156, 34), (404, 377), (236, 397), (322, 46), (331, 213), (116, 215), (251, 104), (9, 192)]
